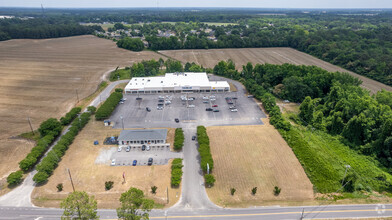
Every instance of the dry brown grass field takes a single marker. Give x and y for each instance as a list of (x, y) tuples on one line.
[(259, 157), (90, 177), (39, 79), (209, 58)]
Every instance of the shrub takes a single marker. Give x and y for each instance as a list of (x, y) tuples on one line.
[(108, 106), (71, 115), (59, 187), (277, 191), (108, 185), (36, 152), (178, 139), (92, 109), (118, 90), (254, 190), (40, 177), (154, 189), (15, 178), (232, 191), (176, 172), (209, 179)]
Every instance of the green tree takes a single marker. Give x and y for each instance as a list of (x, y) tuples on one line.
[(92, 109), (254, 190), (232, 191), (15, 178), (50, 126), (307, 110), (277, 191), (134, 206), (79, 205)]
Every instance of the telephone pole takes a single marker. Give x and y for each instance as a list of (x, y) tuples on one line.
[(32, 130), (70, 177), (77, 95)]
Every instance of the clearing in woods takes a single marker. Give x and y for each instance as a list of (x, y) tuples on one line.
[(89, 176), (39, 79), (209, 58), (259, 157)]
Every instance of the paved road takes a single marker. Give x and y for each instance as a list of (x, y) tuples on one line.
[(194, 196), (266, 213), (21, 195)]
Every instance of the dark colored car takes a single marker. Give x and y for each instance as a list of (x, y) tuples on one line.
[(215, 106), (134, 163), (148, 109), (177, 120), (143, 147), (216, 110), (193, 138), (149, 161), (208, 109)]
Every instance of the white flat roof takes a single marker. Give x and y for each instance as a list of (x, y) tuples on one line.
[(188, 79)]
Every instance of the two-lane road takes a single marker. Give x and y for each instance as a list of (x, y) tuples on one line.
[(273, 213)]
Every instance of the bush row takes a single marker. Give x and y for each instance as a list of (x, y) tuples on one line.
[(178, 139), (204, 149), (108, 106), (15, 177), (71, 115), (176, 172), (269, 104), (50, 162)]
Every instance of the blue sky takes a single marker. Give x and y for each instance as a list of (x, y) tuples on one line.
[(200, 3)]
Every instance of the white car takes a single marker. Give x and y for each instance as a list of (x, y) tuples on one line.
[(232, 107), (212, 99), (113, 162), (212, 96), (205, 98), (191, 106), (167, 102), (234, 110), (148, 148), (119, 149)]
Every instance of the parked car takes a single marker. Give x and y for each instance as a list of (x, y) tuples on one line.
[(113, 162), (143, 147), (250, 96), (121, 102), (119, 149), (134, 163), (160, 107), (177, 120), (234, 110), (150, 161), (205, 98), (216, 110), (208, 109), (193, 138), (128, 149), (232, 107), (212, 99), (205, 101), (147, 148), (191, 106), (215, 106), (148, 109)]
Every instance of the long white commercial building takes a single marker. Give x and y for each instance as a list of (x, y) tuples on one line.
[(175, 83)]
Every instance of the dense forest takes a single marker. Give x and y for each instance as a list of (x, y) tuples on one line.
[(38, 28)]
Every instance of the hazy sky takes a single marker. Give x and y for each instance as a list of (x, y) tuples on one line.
[(200, 3)]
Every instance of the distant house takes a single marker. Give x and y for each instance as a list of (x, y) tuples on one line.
[(155, 138)]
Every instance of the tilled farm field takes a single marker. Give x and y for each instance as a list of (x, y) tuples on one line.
[(39, 79), (209, 58), (259, 157)]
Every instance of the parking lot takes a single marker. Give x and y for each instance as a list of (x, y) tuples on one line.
[(134, 114), (161, 156)]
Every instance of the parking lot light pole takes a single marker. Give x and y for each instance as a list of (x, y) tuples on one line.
[(122, 121), (345, 172)]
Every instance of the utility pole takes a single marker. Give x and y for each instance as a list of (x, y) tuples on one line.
[(167, 194), (302, 215), (345, 172), (28, 119), (70, 177), (77, 95)]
